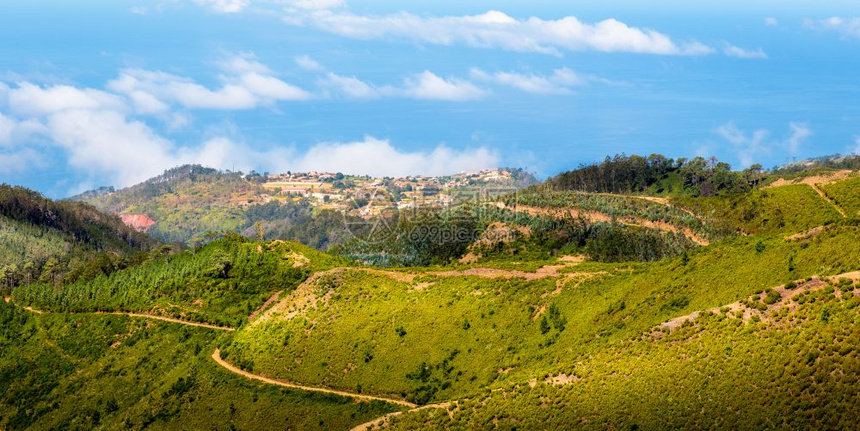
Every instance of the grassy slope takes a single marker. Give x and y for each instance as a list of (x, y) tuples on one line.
[(34, 229), (798, 370), (21, 243), (777, 210), (362, 312), (620, 207), (844, 193), (113, 372)]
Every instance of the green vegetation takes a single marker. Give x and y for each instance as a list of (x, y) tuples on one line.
[(792, 370), (220, 283), (114, 372), (586, 310), (185, 202), (817, 166), (621, 207), (778, 210), (707, 307), (844, 193), (59, 241), (658, 174)]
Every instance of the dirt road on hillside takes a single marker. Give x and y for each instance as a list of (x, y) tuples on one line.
[(216, 356), (142, 316), (380, 421)]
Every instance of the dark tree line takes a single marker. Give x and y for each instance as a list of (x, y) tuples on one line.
[(619, 174), (636, 174)]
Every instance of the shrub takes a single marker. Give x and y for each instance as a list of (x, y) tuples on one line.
[(772, 297)]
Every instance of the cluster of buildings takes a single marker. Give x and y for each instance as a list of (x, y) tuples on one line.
[(367, 195)]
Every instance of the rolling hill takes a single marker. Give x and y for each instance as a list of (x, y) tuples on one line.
[(567, 306)]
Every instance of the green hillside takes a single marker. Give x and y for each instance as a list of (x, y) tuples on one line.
[(185, 202), (557, 308), (54, 241), (220, 283), (113, 372), (796, 368)]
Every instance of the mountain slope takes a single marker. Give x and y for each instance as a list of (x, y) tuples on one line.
[(52, 240), (184, 202)]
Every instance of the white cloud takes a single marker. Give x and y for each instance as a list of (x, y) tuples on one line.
[(559, 82), (751, 147), (14, 132), (429, 86), (308, 63), (379, 158), (23, 160), (857, 148), (124, 151), (100, 139), (799, 133), (7, 126), (316, 4), (250, 84), (847, 27), (101, 134), (269, 87), (177, 121), (233, 6), (146, 103), (734, 51), (224, 6), (425, 86), (4, 93), (104, 142), (495, 29), (771, 21), (244, 63), (747, 147), (30, 99), (351, 86)]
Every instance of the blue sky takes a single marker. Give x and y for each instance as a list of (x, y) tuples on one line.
[(110, 93)]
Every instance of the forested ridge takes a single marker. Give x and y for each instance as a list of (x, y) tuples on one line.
[(54, 241), (80, 222)]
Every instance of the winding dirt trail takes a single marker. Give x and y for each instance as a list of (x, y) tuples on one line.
[(139, 315), (216, 356), (382, 420), (168, 319), (654, 199), (304, 296)]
